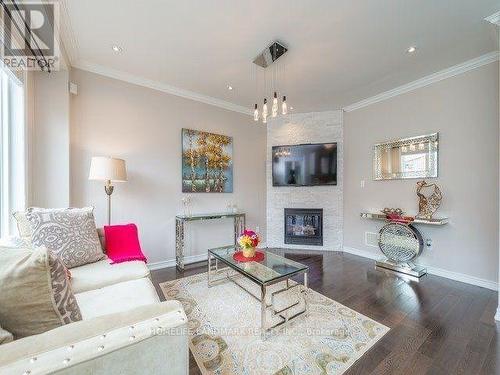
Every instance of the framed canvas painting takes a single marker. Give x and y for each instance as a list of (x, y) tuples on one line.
[(207, 162)]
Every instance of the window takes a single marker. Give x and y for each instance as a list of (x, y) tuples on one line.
[(413, 162), (12, 151)]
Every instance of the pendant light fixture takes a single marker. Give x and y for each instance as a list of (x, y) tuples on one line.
[(284, 108), (265, 59), (275, 105), (264, 112)]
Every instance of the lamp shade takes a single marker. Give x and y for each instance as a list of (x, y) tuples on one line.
[(104, 168)]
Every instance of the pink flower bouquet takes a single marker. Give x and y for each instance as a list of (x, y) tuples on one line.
[(248, 242)]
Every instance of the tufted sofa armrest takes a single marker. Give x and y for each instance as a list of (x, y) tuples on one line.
[(150, 339)]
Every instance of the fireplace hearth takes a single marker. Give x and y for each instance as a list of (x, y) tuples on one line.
[(304, 226)]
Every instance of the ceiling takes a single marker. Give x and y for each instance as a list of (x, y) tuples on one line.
[(340, 51)]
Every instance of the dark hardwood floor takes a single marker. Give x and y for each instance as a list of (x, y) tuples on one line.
[(438, 326)]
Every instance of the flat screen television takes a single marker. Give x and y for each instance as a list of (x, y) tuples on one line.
[(305, 165)]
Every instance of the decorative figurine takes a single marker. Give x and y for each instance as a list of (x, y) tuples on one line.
[(428, 205), (186, 203)]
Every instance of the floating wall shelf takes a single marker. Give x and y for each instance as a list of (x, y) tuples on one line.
[(376, 216)]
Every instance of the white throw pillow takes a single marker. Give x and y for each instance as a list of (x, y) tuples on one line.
[(70, 232), (23, 226)]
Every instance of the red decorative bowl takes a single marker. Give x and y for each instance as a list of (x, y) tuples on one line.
[(238, 256)]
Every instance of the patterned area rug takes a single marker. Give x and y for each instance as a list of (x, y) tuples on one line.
[(224, 323)]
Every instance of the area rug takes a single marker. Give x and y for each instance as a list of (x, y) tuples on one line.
[(224, 328)]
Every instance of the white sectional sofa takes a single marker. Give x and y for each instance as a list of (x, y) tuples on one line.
[(125, 329)]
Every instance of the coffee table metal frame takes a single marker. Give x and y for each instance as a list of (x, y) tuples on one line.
[(214, 270)]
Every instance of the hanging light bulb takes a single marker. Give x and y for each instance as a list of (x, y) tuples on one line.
[(264, 109), (256, 113), (284, 108), (275, 105)]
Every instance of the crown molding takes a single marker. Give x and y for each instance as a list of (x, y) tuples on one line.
[(494, 18), (66, 33), (71, 47), (160, 86), (426, 81)]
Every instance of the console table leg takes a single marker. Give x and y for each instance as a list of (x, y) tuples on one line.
[(239, 227), (263, 308), (179, 244), (209, 273), (306, 289)]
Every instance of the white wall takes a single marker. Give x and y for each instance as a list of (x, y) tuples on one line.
[(143, 126), (49, 151), (315, 127), (464, 110)]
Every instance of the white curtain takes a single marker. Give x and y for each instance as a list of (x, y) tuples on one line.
[(12, 151)]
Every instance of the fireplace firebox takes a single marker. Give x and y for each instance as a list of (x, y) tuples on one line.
[(304, 226)]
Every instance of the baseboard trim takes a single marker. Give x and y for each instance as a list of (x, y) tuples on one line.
[(361, 253), (472, 280), (171, 263)]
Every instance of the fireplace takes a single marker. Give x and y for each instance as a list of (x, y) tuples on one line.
[(304, 226)]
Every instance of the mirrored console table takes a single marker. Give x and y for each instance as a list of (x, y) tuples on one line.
[(401, 243), (180, 221), (376, 216)]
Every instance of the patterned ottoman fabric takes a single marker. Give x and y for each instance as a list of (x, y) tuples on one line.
[(70, 232)]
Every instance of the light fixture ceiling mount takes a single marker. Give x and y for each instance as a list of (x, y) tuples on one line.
[(270, 54)]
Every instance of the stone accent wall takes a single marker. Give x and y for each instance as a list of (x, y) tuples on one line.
[(314, 127)]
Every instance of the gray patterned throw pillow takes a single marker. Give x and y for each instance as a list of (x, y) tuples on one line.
[(64, 299), (69, 232)]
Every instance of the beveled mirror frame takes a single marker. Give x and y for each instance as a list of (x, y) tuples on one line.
[(432, 162)]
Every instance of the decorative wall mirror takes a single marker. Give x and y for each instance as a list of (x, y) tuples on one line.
[(415, 157)]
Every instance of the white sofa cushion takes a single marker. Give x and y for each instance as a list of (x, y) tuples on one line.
[(116, 298), (102, 273)]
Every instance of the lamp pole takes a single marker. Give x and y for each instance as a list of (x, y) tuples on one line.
[(108, 188)]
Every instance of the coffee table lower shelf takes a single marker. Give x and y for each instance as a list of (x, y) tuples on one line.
[(213, 279)]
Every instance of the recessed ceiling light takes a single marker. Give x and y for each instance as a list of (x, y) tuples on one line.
[(117, 48), (411, 49), (229, 87)]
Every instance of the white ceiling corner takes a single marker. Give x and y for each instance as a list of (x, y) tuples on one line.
[(427, 80), (192, 50), (159, 86), (70, 44)]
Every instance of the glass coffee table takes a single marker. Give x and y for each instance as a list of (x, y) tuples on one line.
[(272, 270)]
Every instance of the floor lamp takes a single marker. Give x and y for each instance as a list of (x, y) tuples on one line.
[(109, 170)]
